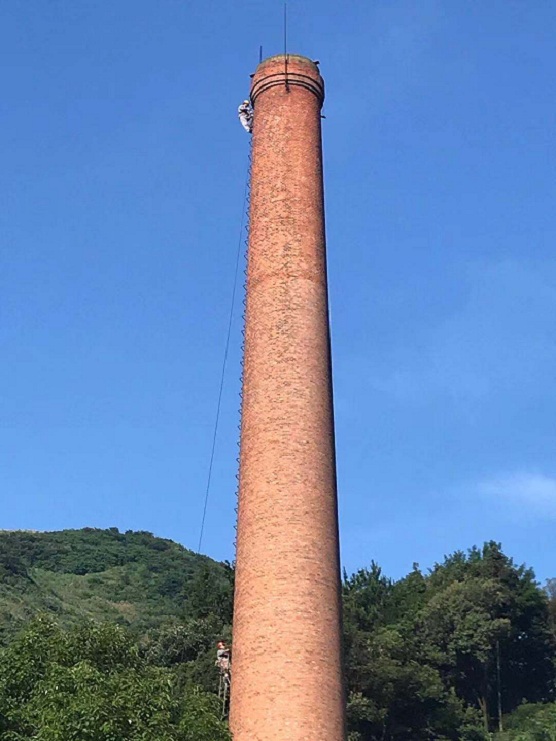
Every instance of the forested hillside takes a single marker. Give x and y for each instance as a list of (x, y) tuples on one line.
[(450, 653), (110, 636), (130, 578)]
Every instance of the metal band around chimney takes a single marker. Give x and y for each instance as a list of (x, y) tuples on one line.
[(294, 79)]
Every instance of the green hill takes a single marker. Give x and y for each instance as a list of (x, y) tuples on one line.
[(453, 653), (131, 578)]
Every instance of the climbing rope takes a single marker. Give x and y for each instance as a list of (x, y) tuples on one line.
[(245, 206)]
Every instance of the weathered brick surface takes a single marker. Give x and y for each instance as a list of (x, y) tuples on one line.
[(287, 678)]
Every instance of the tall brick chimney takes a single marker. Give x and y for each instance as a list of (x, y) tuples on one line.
[(287, 673)]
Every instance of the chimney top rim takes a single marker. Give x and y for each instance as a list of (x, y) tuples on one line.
[(297, 72), (291, 58)]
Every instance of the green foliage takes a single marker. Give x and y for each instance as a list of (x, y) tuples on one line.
[(530, 723), (550, 590), (200, 719), (125, 646), (428, 656), (91, 684), (82, 678), (129, 578), (211, 592)]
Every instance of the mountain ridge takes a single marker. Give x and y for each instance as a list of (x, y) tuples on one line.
[(133, 578)]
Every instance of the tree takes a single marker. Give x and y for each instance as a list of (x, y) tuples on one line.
[(212, 592), (531, 723), (461, 625), (395, 692), (550, 590), (91, 684), (445, 654), (491, 608)]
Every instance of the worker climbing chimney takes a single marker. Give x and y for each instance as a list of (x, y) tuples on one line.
[(287, 672)]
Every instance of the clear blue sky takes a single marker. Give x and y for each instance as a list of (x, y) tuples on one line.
[(121, 187)]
